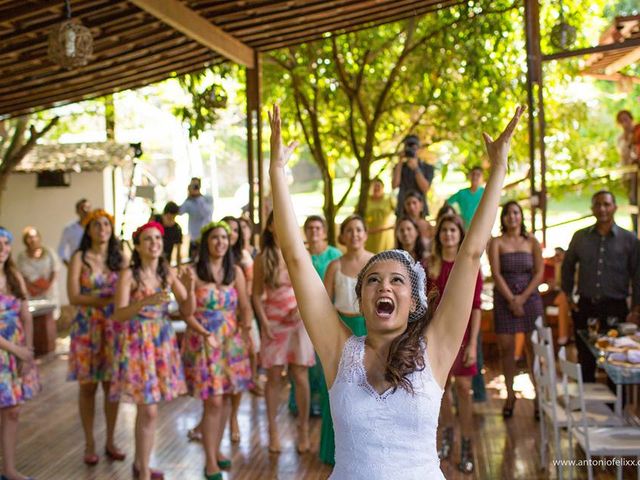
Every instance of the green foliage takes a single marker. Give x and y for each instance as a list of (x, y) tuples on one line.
[(446, 77), (207, 95)]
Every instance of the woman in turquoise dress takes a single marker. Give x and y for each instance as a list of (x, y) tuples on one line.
[(322, 254), (340, 281)]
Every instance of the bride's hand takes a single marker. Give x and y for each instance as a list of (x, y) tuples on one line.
[(498, 150), (279, 153)]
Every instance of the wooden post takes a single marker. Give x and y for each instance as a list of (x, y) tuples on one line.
[(536, 109), (254, 139)]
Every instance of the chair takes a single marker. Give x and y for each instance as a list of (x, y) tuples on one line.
[(620, 441), (546, 391), (593, 392)]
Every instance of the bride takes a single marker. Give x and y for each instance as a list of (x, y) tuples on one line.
[(385, 388)]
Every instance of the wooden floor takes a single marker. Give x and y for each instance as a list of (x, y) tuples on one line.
[(51, 443)]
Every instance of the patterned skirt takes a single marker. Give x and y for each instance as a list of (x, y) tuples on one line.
[(147, 367), (91, 353), (210, 371), (16, 383)]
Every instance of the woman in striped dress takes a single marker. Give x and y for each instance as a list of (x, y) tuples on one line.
[(517, 269)]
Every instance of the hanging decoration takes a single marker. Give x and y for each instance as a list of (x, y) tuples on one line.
[(563, 34), (70, 42)]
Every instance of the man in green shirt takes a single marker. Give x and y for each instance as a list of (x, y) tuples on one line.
[(468, 199)]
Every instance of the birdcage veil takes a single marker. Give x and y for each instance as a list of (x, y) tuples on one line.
[(416, 275)]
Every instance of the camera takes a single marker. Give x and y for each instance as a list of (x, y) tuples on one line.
[(411, 146)]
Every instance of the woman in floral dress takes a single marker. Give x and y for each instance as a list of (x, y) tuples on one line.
[(148, 369), (91, 281), (285, 341), (18, 376), (215, 353)]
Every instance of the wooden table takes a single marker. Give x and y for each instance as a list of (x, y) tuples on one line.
[(44, 326)]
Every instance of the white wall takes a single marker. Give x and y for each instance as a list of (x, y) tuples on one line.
[(51, 209)]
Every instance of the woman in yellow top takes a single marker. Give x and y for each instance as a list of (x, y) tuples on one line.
[(380, 218)]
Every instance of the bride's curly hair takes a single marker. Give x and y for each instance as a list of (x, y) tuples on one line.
[(406, 353)]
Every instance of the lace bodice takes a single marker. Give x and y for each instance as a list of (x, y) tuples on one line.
[(382, 436)]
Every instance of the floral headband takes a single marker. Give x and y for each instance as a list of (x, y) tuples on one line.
[(95, 214), (4, 233), (147, 226), (211, 225)]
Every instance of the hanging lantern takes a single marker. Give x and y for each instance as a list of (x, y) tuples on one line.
[(563, 34), (70, 42)]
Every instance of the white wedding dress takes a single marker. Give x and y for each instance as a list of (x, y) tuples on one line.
[(387, 436)]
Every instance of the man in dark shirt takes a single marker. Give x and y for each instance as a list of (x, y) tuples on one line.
[(172, 231), (411, 173), (608, 257)]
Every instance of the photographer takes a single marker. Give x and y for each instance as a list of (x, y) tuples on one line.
[(411, 173), (200, 210)]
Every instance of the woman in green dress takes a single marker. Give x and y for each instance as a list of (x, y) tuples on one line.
[(380, 218), (322, 254), (340, 281)]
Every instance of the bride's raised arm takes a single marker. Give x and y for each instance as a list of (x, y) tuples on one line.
[(444, 333), (320, 318)]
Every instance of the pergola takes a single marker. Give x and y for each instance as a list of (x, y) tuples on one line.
[(138, 42)]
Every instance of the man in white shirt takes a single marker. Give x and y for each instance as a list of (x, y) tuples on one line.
[(72, 233), (200, 210)]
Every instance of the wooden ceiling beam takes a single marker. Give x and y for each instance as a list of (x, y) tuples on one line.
[(109, 46), (199, 28), (150, 74), (155, 62), (27, 10), (624, 60), (92, 18), (320, 24), (106, 90), (179, 45), (301, 35), (241, 18)]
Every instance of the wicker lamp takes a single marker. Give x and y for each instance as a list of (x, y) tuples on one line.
[(70, 42)]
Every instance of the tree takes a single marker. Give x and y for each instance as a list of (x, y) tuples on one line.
[(17, 137), (207, 96), (358, 95)]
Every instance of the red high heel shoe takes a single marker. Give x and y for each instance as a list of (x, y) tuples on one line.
[(115, 455), (155, 474)]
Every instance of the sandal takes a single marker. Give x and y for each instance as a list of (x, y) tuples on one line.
[(155, 474), (466, 464), (91, 459), (194, 435), (212, 476), (115, 455), (507, 410)]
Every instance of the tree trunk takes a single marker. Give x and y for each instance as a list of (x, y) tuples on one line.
[(18, 148), (365, 182), (110, 118), (329, 207)]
